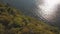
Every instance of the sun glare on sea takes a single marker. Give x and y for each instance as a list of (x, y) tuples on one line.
[(48, 8)]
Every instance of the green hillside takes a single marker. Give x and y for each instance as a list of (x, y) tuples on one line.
[(12, 21)]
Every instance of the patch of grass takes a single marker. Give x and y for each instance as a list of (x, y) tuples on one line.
[(12, 21)]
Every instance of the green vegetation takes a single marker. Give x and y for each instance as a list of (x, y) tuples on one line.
[(12, 21)]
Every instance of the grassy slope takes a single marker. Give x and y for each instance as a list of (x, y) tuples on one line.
[(12, 21)]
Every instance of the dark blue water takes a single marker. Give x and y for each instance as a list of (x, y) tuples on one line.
[(26, 6)]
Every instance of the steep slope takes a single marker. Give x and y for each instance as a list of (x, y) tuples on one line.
[(12, 21)]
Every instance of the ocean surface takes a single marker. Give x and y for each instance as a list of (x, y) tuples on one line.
[(31, 8)]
